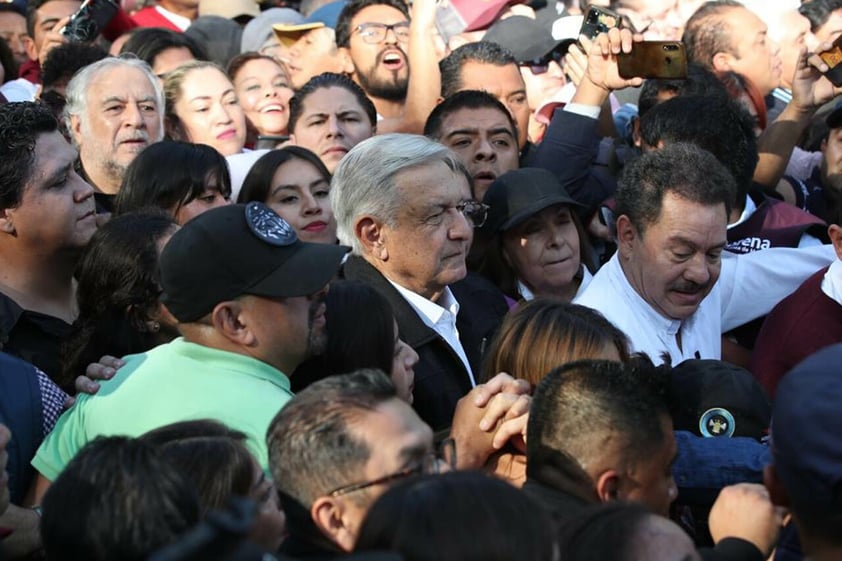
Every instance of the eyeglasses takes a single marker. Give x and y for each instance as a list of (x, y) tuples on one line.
[(542, 65), (374, 33), (432, 463), (474, 212)]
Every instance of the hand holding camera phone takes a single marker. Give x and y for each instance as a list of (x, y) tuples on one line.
[(833, 59), (598, 20), (654, 59), (91, 18)]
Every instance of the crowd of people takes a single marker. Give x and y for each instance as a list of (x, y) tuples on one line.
[(377, 279)]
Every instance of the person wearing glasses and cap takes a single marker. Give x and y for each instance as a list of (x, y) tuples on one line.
[(410, 221), (248, 296)]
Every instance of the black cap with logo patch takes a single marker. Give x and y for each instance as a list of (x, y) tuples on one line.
[(712, 398), (235, 250)]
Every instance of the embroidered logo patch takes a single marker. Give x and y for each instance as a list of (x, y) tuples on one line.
[(268, 226), (717, 422)]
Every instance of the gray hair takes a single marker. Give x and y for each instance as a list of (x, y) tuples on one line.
[(364, 182), (312, 446), (77, 88)]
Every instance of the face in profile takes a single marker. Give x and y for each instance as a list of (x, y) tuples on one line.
[(649, 480), (57, 209), (403, 374), (209, 111), (332, 122)]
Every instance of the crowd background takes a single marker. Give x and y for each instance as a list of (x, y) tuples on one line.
[(420, 280)]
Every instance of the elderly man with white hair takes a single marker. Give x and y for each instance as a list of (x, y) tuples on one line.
[(115, 109), (405, 205)]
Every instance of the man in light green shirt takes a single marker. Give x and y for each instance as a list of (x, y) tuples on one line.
[(249, 299)]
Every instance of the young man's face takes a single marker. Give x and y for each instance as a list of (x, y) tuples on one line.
[(57, 211), (503, 82), (380, 67)]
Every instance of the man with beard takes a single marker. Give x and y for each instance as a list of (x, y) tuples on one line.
[(249, 299), (671, 287), (115, 109), (378, 43)]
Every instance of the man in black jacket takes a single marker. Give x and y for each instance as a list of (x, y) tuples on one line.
[(405, 205)]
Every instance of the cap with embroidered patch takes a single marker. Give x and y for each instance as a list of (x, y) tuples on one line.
[(712, 398), (236, 250)]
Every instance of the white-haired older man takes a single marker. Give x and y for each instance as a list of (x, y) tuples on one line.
[(115, 109), (404, 203)]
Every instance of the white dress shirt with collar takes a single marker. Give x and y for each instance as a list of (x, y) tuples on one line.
[(749, 286), (441, 318)]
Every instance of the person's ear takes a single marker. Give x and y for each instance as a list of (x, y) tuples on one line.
[(7, 221), (722, 61), (346, 63), (823, 146), (31, 49), (371, 233), (230, 319), (330, 518), (76, 129), (627, 234), (834, 232), (608, 486), (636, 138), (777, 492)]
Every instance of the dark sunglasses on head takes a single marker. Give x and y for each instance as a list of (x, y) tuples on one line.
[(542, 65)]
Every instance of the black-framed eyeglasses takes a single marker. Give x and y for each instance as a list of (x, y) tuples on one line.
[(374, 33), (542, 65), (474, 212), (433, 462)]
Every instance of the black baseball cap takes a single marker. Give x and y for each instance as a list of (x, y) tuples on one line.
[(712, 398), (518, 194), (527, 39), (235, 250)]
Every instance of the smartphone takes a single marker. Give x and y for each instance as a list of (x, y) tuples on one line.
[(598, 20), (91, 18), (833, 58), (654, 59)]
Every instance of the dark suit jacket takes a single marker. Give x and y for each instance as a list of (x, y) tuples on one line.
[(440, 376)]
